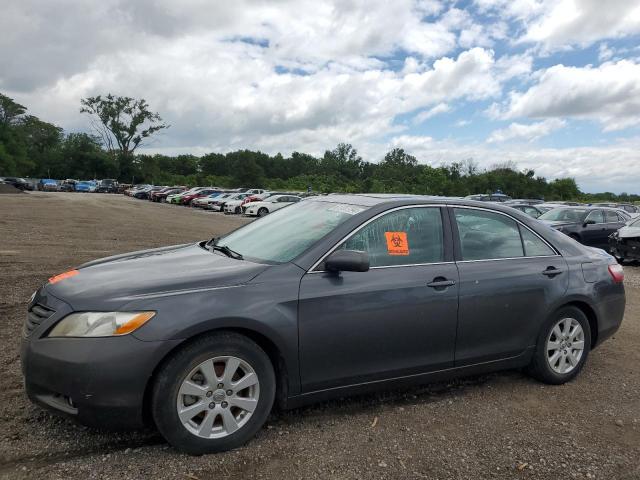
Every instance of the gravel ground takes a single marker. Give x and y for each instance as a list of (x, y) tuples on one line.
[(502, 425)]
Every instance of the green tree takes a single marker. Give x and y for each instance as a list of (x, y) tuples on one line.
[(123, 123)]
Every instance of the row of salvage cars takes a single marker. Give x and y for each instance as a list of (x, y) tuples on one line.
[(611, 227), (248, 201)]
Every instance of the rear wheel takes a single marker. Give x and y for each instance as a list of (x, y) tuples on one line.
[(238, 210), (262, 212), (213, 395), (563, 346)]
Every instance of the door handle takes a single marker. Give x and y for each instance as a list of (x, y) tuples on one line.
[(441, 283), (552, 272)]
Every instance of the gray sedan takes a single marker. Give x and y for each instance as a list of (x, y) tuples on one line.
[(331, 296)]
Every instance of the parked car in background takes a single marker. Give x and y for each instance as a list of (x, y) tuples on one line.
[(629, 209), (271, 204), (234, 206), (161, 195), (87, 186), (202, 201), (186, 199), (493, 197), (18, 182), (177, 198), (48, 185), (333, 296), (218, 203), (624, 244), (529, 209), (525, 201), (588, 225), (107, 185), (545, 207), (68, 185), (144, 193)]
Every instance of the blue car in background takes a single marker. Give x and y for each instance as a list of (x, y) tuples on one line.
[(89, 186), (48, 185)]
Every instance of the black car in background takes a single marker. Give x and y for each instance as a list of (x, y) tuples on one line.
[(107, 185), (19, 183), (588, 225)]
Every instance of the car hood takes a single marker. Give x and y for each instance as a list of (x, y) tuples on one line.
[(160, 271), (629, 231)]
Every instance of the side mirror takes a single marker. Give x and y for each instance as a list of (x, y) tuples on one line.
[(589, 222), (347, 261)]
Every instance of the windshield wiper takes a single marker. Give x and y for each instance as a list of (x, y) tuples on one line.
[(224, 249)]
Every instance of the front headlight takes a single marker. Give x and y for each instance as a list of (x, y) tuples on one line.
[(100, 324)]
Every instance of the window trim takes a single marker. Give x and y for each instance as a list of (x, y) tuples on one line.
[(446, 232), (458, 247)]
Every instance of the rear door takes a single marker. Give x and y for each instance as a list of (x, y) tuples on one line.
[(509, 276), (397, 319)]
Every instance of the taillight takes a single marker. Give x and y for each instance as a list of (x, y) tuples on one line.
[(617, 273)]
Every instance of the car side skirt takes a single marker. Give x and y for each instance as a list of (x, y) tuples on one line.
[(518, 361)]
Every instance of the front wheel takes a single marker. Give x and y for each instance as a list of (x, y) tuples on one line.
[(262, 212), (214, 394), (562, 348)]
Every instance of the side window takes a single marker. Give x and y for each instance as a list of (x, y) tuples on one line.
[(622, 219), (533, 245), (403, 237), (596, 216), (611, 216), (487, 235)]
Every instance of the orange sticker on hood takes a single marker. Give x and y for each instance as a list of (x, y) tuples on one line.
[(397, 243), (62, 276)]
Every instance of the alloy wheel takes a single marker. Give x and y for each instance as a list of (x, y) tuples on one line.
[(218, 397), (565, 345)]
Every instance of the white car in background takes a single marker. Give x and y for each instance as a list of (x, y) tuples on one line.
[(271, 204), (218, 204), (238, 206)]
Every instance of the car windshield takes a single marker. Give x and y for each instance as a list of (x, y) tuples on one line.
[(564, 215), (286, 233)]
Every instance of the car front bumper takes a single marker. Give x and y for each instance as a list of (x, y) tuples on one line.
[(627, 248), (100, 382)]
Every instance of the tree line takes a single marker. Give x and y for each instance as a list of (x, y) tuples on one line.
[(31, 147)]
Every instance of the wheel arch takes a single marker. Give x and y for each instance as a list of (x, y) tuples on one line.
[(263, 341), (591, 315)]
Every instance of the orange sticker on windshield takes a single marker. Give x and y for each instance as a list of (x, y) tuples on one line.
[(397, 243)]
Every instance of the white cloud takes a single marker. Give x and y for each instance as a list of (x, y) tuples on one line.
[(432, 112), (526, 132), (609, 94), (583, 22)]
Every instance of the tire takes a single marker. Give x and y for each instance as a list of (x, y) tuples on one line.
[(238, 210), (541, 364), (262, 212), (167, 399)]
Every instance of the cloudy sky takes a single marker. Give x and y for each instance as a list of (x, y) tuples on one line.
[(552, 85)]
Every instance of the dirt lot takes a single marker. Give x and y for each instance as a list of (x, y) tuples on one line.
[(502, 425)]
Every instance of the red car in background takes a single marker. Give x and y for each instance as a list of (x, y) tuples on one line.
[(187, 199), (161, 195)]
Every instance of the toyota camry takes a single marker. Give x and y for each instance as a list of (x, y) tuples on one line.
[(341, 294)]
